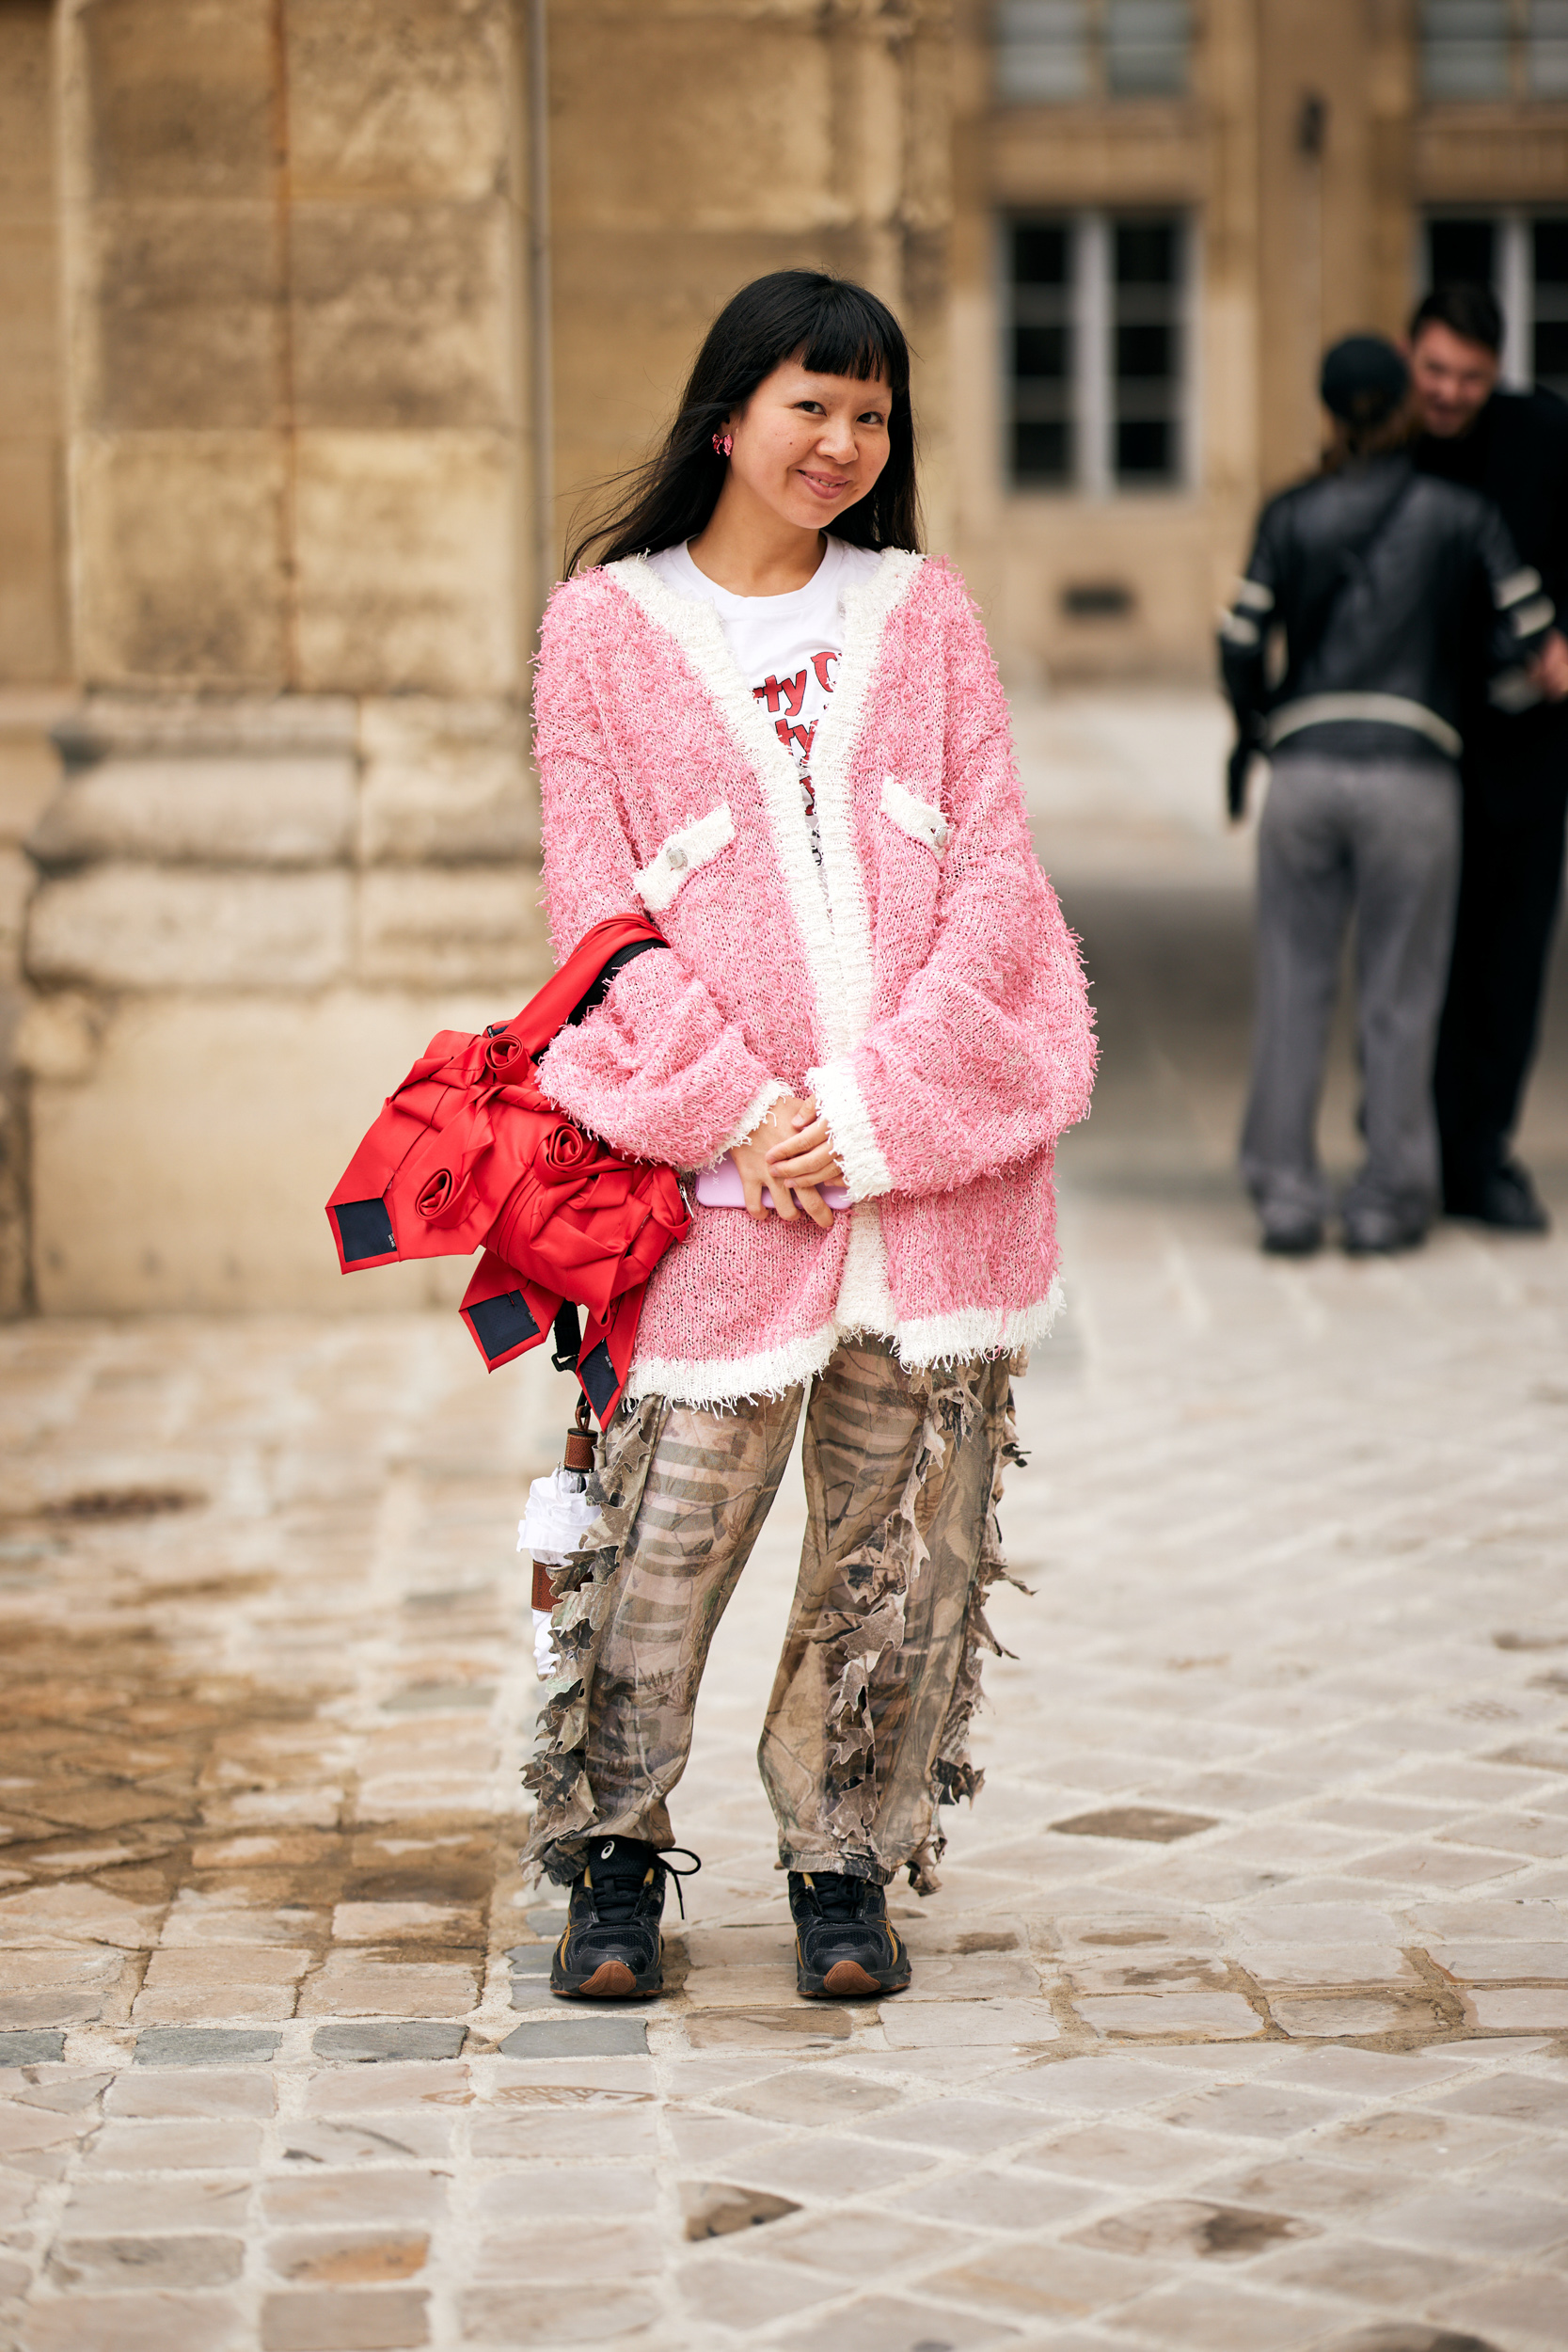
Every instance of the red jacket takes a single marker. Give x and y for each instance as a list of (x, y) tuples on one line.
[(468, 1154)]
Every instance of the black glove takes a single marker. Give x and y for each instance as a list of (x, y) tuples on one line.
[(1236, 774)]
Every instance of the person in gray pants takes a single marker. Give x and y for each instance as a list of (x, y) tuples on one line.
[(1340, 657)]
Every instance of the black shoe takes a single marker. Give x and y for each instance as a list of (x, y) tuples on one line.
[(843, 1947), (1509, 1200), (612, 1948), (1292, 1237), (1379, 1233)]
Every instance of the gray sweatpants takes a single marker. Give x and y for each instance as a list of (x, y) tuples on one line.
[(1382, 837)]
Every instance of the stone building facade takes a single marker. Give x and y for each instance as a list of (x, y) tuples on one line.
[(322, 314)]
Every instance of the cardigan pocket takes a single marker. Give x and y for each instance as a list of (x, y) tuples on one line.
[(918, 818), (660, 880)]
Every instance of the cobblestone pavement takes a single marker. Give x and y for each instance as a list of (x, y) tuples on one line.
[(1240, 2020)]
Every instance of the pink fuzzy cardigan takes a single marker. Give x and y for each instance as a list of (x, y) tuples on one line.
[(921, 983)]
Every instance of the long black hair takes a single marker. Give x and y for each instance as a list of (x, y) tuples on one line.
[(833, 327)]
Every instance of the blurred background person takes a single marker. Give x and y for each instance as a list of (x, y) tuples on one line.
[(1512, 446), (1368, 572)]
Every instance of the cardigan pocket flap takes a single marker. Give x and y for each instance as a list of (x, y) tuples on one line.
[(680, 857), (918, 818)]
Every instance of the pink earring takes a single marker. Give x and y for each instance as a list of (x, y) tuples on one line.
[(723, 444)]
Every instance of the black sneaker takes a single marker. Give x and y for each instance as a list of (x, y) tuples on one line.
[(1291, 1236), (613, 1949), (1510, 1202), (1381, 1233), (843, 1947)]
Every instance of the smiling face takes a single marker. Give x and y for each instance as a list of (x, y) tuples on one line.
[(1452, 379), (808, 446)]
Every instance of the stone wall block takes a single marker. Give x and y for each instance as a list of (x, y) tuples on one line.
[(476, 927), (718, 124), (446, 783), (179, 548), (16, 886), (184, 327), (58, 1037), (216, 1201), (110, 726), (141, 928), (33, 635), (407, 101), (182, 96), (30, 346), (26, 112), (362, 276), (212, 811), (405, 556)]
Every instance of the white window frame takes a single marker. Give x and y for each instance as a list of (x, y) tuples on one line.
[(1513, 279), (1091, 310)]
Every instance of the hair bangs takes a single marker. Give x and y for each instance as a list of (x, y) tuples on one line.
[(854, 337)]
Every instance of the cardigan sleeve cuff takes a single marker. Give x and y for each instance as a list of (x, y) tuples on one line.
[(840, 1102), (756, 1109)]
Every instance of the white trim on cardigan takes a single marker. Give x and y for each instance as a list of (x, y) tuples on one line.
[(968, 1331), (682, 854), (756, 1111), (951, 1339), (864, 1302), (920, 819), (699, 632), (867, 612), (839, 1100)]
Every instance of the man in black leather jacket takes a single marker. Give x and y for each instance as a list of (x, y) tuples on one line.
[(1513, 447), (1366, 580)]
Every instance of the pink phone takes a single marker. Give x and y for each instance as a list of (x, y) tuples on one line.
[(721, 1188)]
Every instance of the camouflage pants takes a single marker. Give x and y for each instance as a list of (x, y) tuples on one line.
[(868, 1728)]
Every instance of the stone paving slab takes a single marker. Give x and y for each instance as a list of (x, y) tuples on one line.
[(1240, 2018)]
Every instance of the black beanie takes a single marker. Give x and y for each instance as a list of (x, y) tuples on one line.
[(1363, 379)]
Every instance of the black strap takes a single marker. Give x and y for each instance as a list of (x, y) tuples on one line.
[(596, 990), (567, 1336), (595, 994), (1352, 564)]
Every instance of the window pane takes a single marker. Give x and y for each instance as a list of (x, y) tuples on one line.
[(1042, 456), (1465, 48), (1546, 49), (1460, 252), (1039, 254), (1549, 254), (1147, 43), (1146, 450), (1043, 50), (1146, 351), (1041, 353), (1146, 252)]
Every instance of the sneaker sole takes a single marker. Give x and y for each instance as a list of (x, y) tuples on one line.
[(847, 1980), (612, 1980)]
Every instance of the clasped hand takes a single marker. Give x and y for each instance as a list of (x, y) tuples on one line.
[(789, 1155)]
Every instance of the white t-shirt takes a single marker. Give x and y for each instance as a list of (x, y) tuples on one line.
[(787, 647)]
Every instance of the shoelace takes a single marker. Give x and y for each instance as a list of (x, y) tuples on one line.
[(839, 1897), (617, 1893)]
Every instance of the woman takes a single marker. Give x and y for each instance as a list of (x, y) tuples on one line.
[(1373, 574), (768, 720)]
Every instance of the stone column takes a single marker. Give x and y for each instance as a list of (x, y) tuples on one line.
[(296, 832)]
